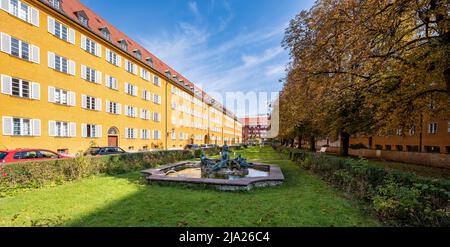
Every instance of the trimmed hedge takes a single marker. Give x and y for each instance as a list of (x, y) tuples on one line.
[(28, 175), (398, 198)]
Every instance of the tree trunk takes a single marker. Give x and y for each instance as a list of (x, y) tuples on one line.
[(299, 142), (312, 143), (447, 80), (345, 143), (292, 142)]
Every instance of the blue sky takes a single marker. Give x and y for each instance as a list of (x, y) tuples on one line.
[(220, 45)]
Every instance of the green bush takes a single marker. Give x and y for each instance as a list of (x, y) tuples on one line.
[(398, 198), (29, 175)]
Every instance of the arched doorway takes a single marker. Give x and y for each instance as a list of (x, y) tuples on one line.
[(113, 137)]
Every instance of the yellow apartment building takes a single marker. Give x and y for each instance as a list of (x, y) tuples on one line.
[(70, 80)]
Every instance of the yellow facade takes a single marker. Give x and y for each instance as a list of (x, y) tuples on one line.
[(47, 112)]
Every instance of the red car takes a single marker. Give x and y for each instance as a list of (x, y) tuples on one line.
[(23, 155)]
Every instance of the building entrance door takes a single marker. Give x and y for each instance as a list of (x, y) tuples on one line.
[(113, 141), (113, 137)]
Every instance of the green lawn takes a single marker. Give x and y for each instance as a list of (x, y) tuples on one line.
[(303, 200)]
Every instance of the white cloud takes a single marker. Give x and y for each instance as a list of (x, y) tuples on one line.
[(274, 70), (261, 58), (194, 9), (234, 64)]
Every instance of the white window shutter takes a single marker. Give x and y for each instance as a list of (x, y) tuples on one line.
[(107, 54), (71, 36), (135, 133), (51, 94), (71, 66), (98, 77), (83, 101), (116, 84), (119, 61), (135, 69), (51, 25), (34, 17), (119, 108), (83, 130), (135, 91), (98, 50), (126, 87), (36, 127), (107, 105), (51, 60), (7, 123), (98, 131), (6, 84), (35, 54), (72, 129), (51, 128), (126, 110), (72, 99), (126, 133), (98, 104), (83, 42), (35, 91), (107, 79), (126, 64), (4, 4), (135, 112), (83, 72), (5, 43)]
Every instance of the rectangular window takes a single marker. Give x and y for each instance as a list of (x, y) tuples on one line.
[(62, 129), (145, 134), (130, 133), (90, 46), (20, 49), (432, 128), (20, 88), (111, 82), (130, 111), (61, 97), (156, 135), (156, 117), (21, 127), (156, 81), (91, 103), (113, 107), (129, 66), (91, 130), (131, 89), (21, 10), (61, 64), (156, 99)]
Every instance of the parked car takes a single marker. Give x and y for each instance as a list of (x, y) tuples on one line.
[(23, 155), (192, 146), (207, 146), (95, 151)]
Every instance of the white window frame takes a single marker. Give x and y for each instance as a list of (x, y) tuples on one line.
[(31, 14), (432, 128), (111, 82), (34, 126), (6, 47)]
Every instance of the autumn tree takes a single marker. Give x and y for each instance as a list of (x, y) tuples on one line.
[(365, 66)]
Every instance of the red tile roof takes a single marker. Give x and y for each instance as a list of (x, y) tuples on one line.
[(71, 7), (255, 120)]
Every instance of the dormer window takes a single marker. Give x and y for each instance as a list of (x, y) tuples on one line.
[(82, 17), (123, 44), (149, 61), (168, 74), (138, 53), (56, 4), (105, 33)]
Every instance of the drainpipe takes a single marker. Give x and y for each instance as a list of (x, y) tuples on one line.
[(165, 113)]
